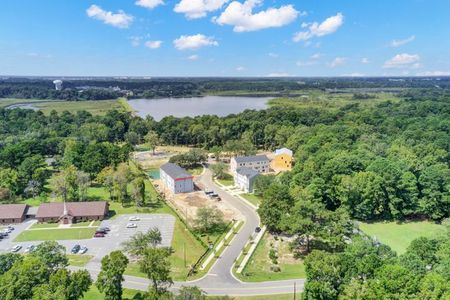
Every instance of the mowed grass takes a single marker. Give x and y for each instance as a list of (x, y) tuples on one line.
[(44, 225), (4, 102), (258, 267), (255, 200), (398, 236), (55, 234), (79, 260), (98, 107)]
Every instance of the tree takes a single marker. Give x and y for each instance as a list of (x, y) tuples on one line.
[(132, 138), (33, 188), (275, 206), (220, 170), (9, 179), (64, 285), (139, 242), (106, 178), (64, 183), (190, 293), (152, 140), (138, 191), (216, 151), (7, 260), (156, 265), (109, 280), (83, 182), (52, 254), (435, 185), (209, 219)]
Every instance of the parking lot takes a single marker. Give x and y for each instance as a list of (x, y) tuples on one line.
[(99, 247)]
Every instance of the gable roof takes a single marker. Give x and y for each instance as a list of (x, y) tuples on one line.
[(175, 171), (12, 211), (254, 158), (75, 209), (283, 151), (247, 172)]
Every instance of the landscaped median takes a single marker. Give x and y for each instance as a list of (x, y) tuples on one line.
[(55, 234)]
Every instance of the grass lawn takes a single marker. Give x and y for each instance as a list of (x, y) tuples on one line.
[(398, 236), (271, 297), (255, 200), (195, 171), (11, 101), (44, 225), (78, 260), (98, 107), (86, 223), (55, 234), (94, 294), (258, 268)]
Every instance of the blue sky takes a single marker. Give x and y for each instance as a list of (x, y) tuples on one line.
[(225, 38)]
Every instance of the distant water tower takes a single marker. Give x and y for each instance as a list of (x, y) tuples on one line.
[(58, 84)]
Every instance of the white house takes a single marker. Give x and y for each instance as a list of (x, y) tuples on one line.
[(244, 178), (176, 179), (259, 163)]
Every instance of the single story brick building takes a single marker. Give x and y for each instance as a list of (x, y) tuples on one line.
[(72, 212), (13, 213)]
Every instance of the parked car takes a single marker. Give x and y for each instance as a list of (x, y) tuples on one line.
[(75, 249), (16, 248), (3, 234), (101, 230), (106, 229), (10, 228), (257, 229), (99, 234), (209, 192), (131, 225), (134, 218), (30, 249), (83, 250)]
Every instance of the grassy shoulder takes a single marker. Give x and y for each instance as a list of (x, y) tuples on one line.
[(255, 200), (55, 234), (79, 260), (399, 235), (259, 266)]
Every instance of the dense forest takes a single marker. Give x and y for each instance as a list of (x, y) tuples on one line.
[(80, 89)]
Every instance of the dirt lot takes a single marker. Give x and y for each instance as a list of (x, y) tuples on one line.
[(150, 160)]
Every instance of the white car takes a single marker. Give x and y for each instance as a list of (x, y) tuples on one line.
[(29, 249), (16, 248), (133, 218), (131, 225), (83, 250)]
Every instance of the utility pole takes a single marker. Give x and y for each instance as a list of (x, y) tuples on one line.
[(295, 290)]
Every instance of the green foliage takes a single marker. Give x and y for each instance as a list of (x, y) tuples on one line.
[(109, 280), (209, 220), (139, 242), (191, 159), (156, 265)]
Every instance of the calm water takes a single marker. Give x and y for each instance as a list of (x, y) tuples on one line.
[(196, 106)]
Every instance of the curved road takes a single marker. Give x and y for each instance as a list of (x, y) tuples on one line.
[(219, 280)]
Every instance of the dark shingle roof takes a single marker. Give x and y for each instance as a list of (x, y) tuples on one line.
[(175, 171), (75, 209), (247, 172), (245, 159), (12, 211)]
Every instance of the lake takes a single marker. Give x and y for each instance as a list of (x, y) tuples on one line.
[(196, 106)]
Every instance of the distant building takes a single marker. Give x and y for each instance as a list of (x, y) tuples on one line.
[(258, 163), (282, 160), (58, 84), (244, 178), (72, 212), (176, 179), (13, 213)]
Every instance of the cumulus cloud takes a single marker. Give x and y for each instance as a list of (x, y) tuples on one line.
[(150, 4), (398, 43), (153, 44), (404, 60), (195, 9), (193, 57), (329, 26), (193, 42), (119, 19), (337, 62), (241, 16)]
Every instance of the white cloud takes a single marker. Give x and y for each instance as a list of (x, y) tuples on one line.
[(404, 60), (273, 55), (337, 62), (194, 9), (316, 56), (356, 74), (241, 16), (329, 26), (365, 60), (193, 42), (153, 44), (150, 4), (240, 69), (434, 73), (398, 43), (193, 57), (278, 74), (136, 41), (119, 19)]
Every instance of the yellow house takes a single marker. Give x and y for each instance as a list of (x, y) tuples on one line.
[(282, 160)]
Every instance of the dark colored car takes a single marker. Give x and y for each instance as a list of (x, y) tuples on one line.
[(75, 249), (101, 230), (106, 229), (257, 229), (99, 234)]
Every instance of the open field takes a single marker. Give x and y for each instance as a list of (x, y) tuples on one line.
[(55, 234), (258, 268), (4, 102), (398, 236), (78, 260), (94, 107)]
